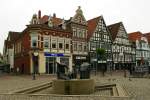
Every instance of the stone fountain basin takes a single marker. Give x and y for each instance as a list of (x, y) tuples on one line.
[(73, 87), (76, 87)]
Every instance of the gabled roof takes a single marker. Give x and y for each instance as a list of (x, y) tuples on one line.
[(135, 36), (92, 23), (56, 21), (114, 29), (13, 35), (147, 35)]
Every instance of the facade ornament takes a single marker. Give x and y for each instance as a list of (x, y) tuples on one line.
[(50, 23), (79, 11), (34, 19), (63, 24)]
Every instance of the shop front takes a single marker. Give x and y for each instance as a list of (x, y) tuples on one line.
[(51, 60), (79, 59)]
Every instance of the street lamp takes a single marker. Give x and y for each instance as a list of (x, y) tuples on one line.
[(35, 55)]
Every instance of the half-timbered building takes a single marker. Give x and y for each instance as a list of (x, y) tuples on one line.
[(49, 38), (142, 48), (123, 56), (99, 37)]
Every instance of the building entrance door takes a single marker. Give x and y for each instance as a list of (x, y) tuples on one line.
[(50, 65)]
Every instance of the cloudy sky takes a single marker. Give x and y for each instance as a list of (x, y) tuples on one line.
[(15, 14)]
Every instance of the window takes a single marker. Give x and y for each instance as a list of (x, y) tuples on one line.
[(60, 46), (80, 47), (74, 32), (80, 34), (75, 46), (85, 34), (34, 40), (85, 48), (54, 45), (46, 42), (67, 46)]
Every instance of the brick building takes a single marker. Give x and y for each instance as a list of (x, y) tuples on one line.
[(49, 37), (55, 40)]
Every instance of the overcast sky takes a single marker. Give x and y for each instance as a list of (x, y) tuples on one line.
[(15, 14)]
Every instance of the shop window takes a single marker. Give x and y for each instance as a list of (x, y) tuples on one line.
[(64, 60)]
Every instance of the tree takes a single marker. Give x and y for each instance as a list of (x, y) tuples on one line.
[(101, 55)]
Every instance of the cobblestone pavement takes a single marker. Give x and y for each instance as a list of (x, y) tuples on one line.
[(9, 83), (138, 88)]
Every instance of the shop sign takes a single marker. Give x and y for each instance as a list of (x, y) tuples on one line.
[(54, 54), (78, 57), (101, 61)]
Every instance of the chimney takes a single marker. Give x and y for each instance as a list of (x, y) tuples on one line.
[(54, 15), (39, 14)]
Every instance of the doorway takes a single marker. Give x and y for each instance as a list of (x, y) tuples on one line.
[(51, 65)]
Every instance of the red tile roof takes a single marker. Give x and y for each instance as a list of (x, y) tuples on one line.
[(92, 23), (44, 19), (56, 21), (135, 36), (147, 35), (114, 28)]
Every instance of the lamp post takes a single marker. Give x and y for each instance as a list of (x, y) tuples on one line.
[(35, 55)]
